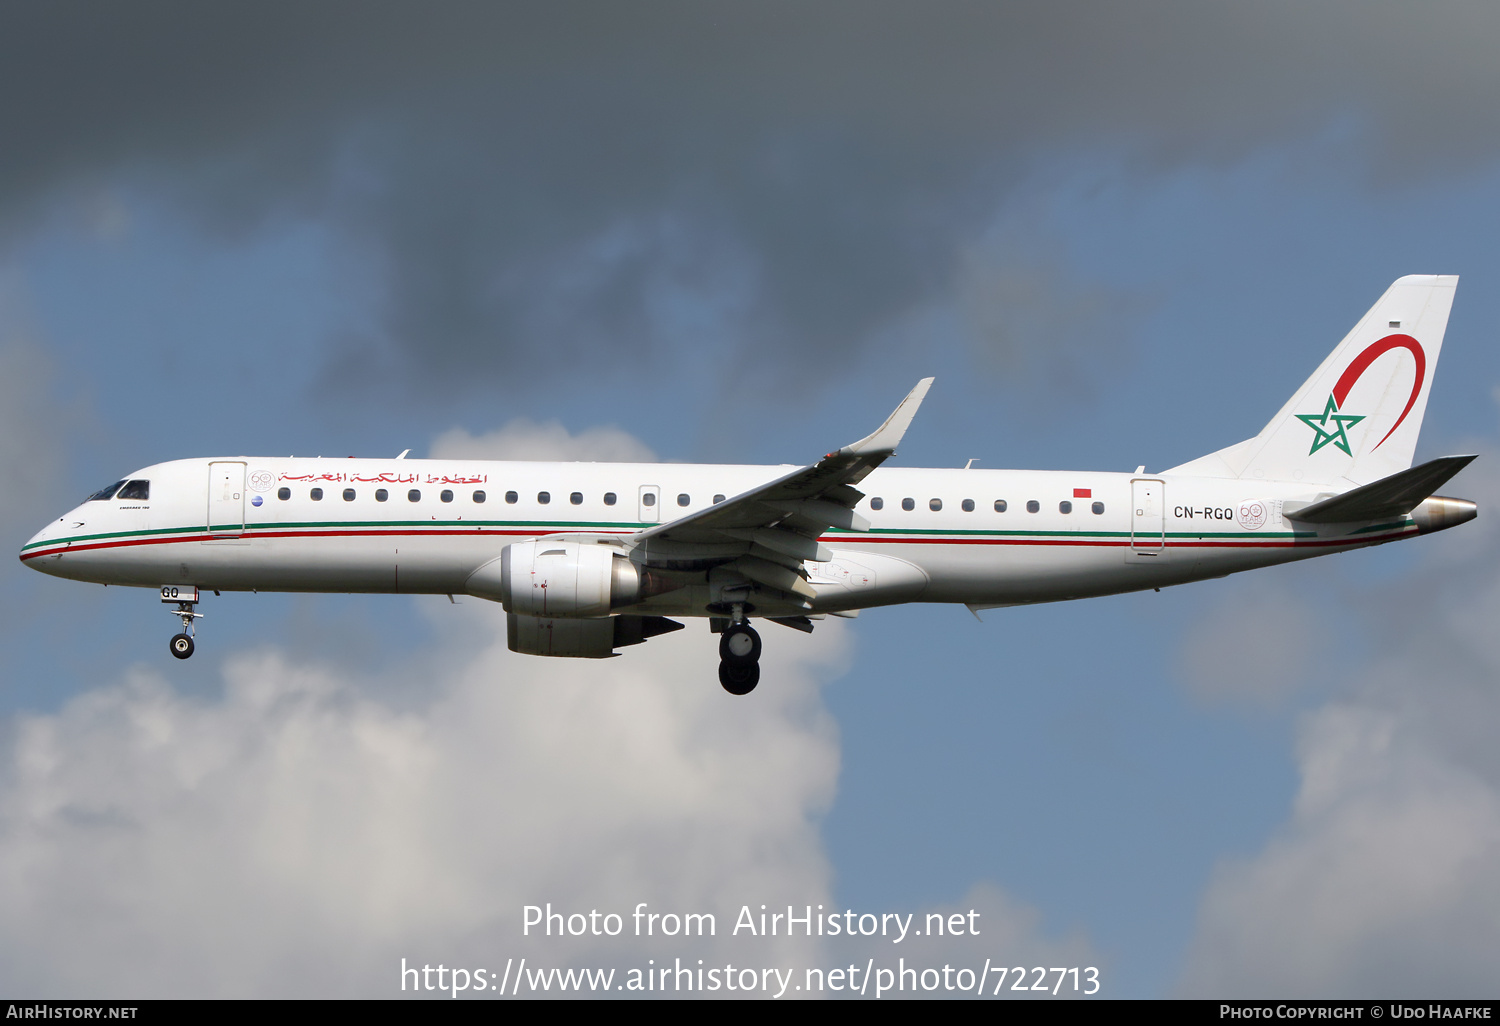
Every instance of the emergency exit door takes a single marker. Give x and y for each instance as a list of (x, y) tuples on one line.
[(649, 504)]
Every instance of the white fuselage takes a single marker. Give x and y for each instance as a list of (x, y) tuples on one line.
[(1030, 536)]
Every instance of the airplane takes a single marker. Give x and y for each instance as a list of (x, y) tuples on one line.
[(588, 558)]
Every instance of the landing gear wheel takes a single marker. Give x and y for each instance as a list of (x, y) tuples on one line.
[(186, 598), (739, 678), (739, 644)]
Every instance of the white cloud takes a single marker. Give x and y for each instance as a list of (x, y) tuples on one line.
[(303, 831), (1381, 883), (299, 836), (524, 439), (996, 930)]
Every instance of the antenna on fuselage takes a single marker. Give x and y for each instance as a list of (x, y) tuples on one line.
[(403, 454)]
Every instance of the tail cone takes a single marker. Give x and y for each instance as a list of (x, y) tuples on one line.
[(1437, 513)]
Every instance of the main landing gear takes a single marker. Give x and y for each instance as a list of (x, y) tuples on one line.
[(739, 656), (186, 599)]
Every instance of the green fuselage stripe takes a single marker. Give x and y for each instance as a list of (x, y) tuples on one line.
[(552, 526)]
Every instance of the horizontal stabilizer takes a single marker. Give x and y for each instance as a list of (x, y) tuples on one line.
[(1393, 496)]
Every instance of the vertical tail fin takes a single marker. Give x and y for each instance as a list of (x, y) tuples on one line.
[(1357, 418)]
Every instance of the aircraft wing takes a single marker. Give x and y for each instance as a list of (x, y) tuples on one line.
[(767, 532)]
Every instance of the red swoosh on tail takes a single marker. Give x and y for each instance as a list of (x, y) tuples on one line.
[(1362, 362)]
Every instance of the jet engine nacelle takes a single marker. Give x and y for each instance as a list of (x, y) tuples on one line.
[(582, 639), (558, 579)]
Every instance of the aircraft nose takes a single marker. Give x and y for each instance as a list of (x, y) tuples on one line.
[(29, 552)]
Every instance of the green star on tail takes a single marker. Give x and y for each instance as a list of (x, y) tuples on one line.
[(1319, 424)]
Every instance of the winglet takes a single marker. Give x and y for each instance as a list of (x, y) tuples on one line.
[(888, 435)]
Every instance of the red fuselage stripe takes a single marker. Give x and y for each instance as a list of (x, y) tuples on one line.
[(837, 540)]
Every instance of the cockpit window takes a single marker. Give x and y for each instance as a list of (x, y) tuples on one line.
[(105, 493), (135, 490)]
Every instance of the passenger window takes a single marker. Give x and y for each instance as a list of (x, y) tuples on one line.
[(908, 504), (649, 499), (446, 495), (348, 494), (414, 495), (140, 490), (968, 505), (877, 503), (512, 498), (935, 505), (1000, 506), (683, 500), (316, 495), (544, 497), (283, 494), (718, 499), (105, 493), (479, 497), (1098, 507), (381, 495), (610, 498), (576, 498), (1032, 506), (1065, 506)]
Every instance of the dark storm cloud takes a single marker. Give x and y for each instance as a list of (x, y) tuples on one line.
[(542, 182)]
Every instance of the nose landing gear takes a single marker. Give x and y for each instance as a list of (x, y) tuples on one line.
[(739, 656), (182, 644)]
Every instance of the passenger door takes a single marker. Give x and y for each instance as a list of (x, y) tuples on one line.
[(226, 499), (1147, 520)]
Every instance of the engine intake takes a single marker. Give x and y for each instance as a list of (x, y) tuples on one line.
[(558, 579)]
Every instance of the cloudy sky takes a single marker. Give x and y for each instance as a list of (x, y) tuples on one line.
[(1118, 234)]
